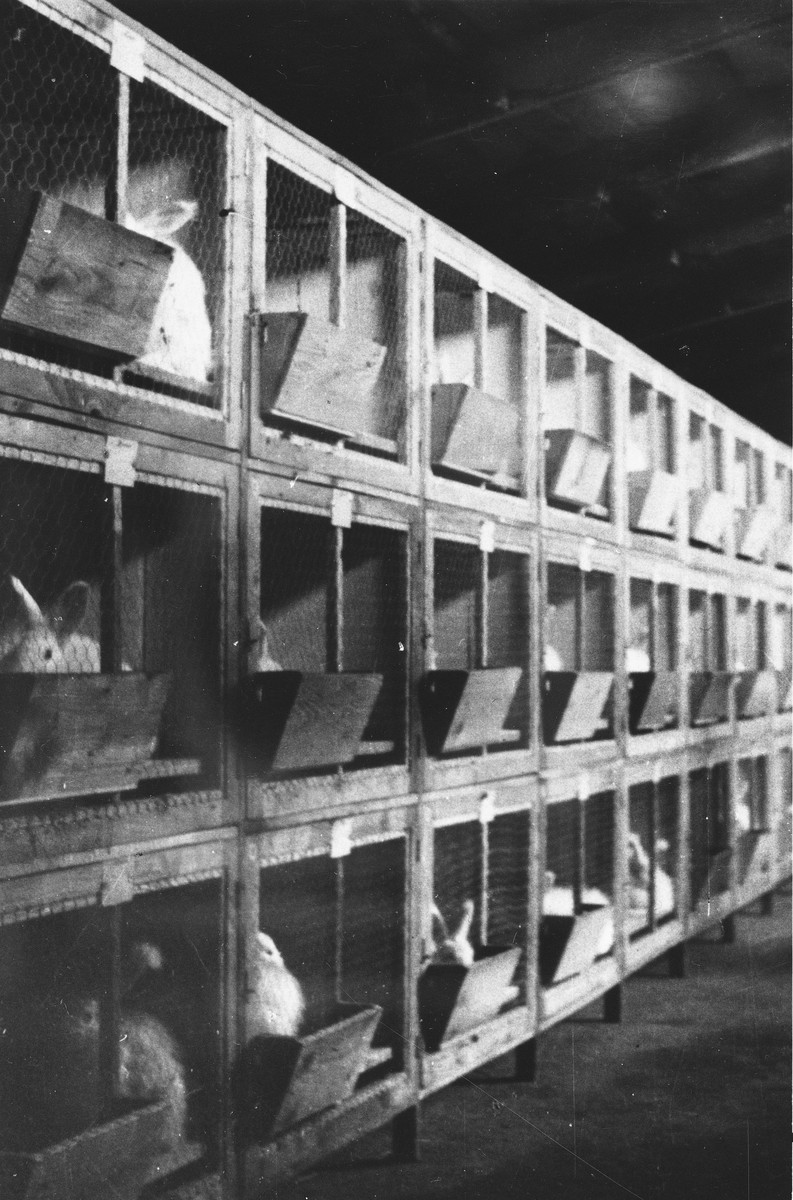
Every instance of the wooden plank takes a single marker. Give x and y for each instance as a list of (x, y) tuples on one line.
[(754, 532), (709, 696), (77, 277), (569, 945), (454, 998), (575, 467), (756, 693), (652, 501), (317, 372), (464, 709), (652, 700), (708, 515), (64, 735), (295, 720), (473, 430), (573, 704)]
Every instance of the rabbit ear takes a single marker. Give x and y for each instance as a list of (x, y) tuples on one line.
[(162, 222), (550, 879), (439, 931), (35, 616), (464, 928)]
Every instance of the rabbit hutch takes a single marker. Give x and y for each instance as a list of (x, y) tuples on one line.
[(393, 660)]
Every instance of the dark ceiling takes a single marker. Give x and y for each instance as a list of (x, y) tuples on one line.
[(633, 156)]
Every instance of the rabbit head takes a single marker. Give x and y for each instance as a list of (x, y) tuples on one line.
[(453, 947), (39, 642), (276, 1002)]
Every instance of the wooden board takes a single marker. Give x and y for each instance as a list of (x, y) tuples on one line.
[(73, 276), (753, 853), (575, 467), (318, 373), (568, 945), (709, 693), (652, 700), (68, 735), (573, 703), (454, 998), (111, 1159), (289, 1079), (464, 709), (297, 720), (475, 431), (652, 501), (756, 693), (753, 532), (708, 513)]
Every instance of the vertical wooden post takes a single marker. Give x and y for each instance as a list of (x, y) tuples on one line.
[(484, 891), (338, 265), (111, 622), (406, 1135), (109, 1007), (483, 610), (480, 339), (676, 958), (526, 1061), (580, 649), (612, 1005), (335, 611), (118, 181), (338, 966)]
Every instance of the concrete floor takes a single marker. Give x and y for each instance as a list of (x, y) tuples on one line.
[(688, 1098)]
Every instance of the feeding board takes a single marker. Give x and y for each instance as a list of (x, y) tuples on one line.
[(71, 735), (754, 531), (753, 852), (74, 276), (708, 513), (111, 1159), (652, 501), (454, 998), (575, 467), (717, 877), (756, 693), (652, 700), (291, 1078), (464, 709), (568, 945), (475, 431), (316, 372), (709, 696), (573, 703), (297, 720)]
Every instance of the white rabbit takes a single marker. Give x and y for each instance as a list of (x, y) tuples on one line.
[(48, 643), (455, 947), (639, 874), (180, 338), (551, 659), (558, 901), (275, 1003), (637, 660), (264, 660)]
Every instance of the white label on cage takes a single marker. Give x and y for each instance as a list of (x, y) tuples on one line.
[(344, 188), (487, 808), (341, 509), (116, 882), (583, 787), (487, 537), (585, 557), (127, 52), (341, 839), (120, 456)]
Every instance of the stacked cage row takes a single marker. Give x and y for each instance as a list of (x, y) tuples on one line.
[(392, 660)]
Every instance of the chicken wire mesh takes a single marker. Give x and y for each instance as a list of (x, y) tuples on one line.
[(340, 925), (709, 832), (61, 110), (85, 590), (457, 606), (459, 874), (362, 291), (453, 326), (508, 853), (334, 601)]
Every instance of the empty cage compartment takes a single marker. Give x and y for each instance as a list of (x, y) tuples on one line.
[(782, 543), (651, 656), (326, 978), (709, 833), (148, 223), (578, 666), (754, 518), (577, 419), (111, 1022), (475, 695), (781, 653), (329, 681), (110, 622), (332, 344), (577, 925), (708, 504), (479, 923), (709, 679), (477, 394), (754, 833), (652, 855), (756, 681), (653, 481)]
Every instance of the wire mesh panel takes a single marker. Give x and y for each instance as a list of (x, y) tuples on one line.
[(577, 410), (333, 602), (456, 605), (508, 854), (122, 584), (106, 1011), (454, 335), (334, 359), (67, 116), (709, 832), (339, 924)]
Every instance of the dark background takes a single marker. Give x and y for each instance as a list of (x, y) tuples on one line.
[(633, 156)]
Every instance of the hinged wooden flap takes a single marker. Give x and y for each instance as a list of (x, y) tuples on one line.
[(652, 501), (709, 696), (568, 945), (575, 467), (756, 693), (573, 704), (652, 700), (464, 709), (475, 431), (754, 531), (708, 513), (454, 998)]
